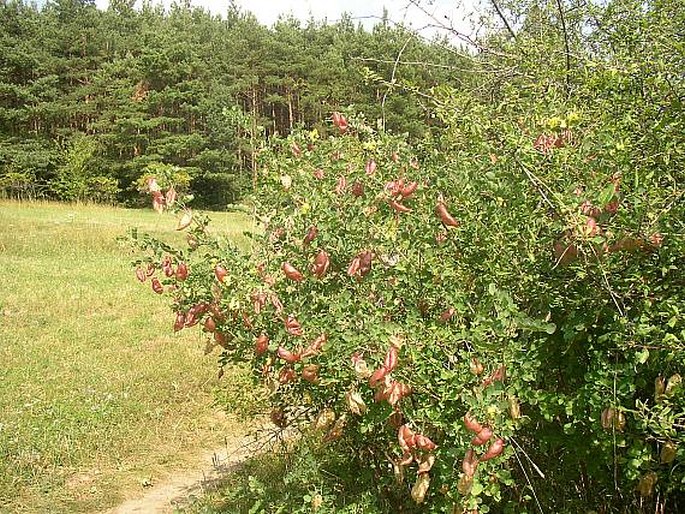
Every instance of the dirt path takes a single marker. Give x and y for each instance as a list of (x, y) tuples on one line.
[(179, 488)]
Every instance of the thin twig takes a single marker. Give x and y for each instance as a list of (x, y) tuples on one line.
[(614, 296), (460, 35), (504, 20), (535, 467), (561, 257), (481, 66), (613, 426), (392, 78), (525, 474), (537, 183), (566, 46), (408, 63)]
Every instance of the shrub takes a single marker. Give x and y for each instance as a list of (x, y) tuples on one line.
[(477, 324)]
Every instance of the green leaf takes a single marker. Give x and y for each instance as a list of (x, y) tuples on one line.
[(607, 194), (642, 356)]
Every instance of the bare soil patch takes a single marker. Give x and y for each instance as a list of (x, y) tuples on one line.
[(179, 488)]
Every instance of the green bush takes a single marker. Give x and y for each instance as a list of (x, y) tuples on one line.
[(536, 305), (216, 190)]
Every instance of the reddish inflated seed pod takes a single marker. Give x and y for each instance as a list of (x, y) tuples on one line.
[(292, 326), (353, 268), (181, 271), (261, 344), (315, 346), (247, 322), (494, 450), (220, 338), (171, 196), (191, 319), (167, 268), (370, 167), (180, 321), (158, 201), (409, 189), (398, 390), (341, 185), (220, 273), (210, 325), (365, 260), (406, 437), (471, 423), (611, 207), (383, 393), (277, 304), (312, 232), (470, 463), (377, 376), (447, 314), (157, 286), (216, 312), (394, 187), (444, 215), (497, 376), (340, 122), (287, 355), (291, 272), (198, 309), (397, 206), (286, 375), (358, 189), (321, 264), (482, 437), (390, 359), (193, 241), (424, 443), (310, 373), (258, 301)]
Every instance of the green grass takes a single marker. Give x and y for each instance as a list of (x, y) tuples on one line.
[(96, 392)]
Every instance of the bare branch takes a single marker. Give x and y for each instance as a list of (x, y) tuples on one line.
[(504, 20), (530, 484), (566, 46), (479, 67), (458, 34), (392, 77), (535, 466)]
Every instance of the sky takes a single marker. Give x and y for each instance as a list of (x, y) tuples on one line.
[(366, 11)]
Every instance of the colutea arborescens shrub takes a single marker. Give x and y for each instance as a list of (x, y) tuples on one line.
[(485, 323)]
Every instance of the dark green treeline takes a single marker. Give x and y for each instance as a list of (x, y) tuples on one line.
[(91, 101)]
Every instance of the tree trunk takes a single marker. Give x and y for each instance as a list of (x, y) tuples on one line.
[(253, 137)]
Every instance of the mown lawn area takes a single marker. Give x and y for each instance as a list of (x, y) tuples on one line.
[(97, 395)]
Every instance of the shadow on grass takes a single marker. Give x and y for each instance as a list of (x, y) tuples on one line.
[(303, 477)]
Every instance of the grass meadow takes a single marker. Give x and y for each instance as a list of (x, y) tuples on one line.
[(97, 395)]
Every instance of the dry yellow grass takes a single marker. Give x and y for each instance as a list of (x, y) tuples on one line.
[(97, 394)]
